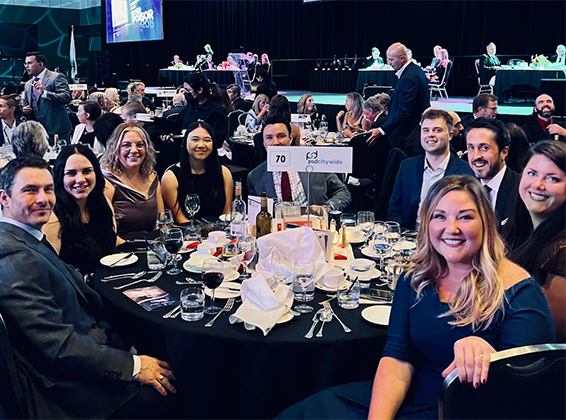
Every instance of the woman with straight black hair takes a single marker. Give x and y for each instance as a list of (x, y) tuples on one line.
[(199, 172), (81, 228)]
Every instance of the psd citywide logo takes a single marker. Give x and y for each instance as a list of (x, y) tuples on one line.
[(313, 159)]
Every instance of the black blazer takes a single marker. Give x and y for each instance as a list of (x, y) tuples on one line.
[(507, 197), (535, 133)]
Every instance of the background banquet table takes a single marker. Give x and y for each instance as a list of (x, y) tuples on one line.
[(229, 372), (506, 79), (334, 81), (375, 77), (176, 77)]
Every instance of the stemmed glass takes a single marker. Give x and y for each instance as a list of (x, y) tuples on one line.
[(212, 277), (392, 232), (164, 221), (173, 244), (381, 246), (303, 273), (192, 206), (366, 224), (246, 245)]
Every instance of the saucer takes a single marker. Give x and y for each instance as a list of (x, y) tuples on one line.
[(377, 314), (344, 284), (222, 293), (375, 273), (368, 252), (111, 259), (357, 238), (218, 244), (404, 245)]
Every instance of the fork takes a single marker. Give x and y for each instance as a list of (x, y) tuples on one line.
[(126, 276), (227, 308), (151, 280), (329, 308)]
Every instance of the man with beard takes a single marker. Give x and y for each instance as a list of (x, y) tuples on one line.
[(542, 127), (487, 141), (484, 105)]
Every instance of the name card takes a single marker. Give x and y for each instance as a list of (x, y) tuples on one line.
[(309, 159), (78, 86), (166, 93), (300, 118)]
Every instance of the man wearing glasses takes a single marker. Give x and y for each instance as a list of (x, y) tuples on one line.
[(484, 105)]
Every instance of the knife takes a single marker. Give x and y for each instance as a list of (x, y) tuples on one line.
[(125, 257)]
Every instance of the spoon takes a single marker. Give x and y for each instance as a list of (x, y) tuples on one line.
[(325, 316), (126, 276)]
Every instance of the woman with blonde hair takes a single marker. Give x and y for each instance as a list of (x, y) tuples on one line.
[(134, 189), (459, 301), (350, 122), (307, 106), (258, 113)]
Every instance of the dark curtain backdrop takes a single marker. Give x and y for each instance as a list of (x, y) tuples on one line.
[(293, 30)]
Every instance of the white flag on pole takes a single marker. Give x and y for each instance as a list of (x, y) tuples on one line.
[(73, 54)]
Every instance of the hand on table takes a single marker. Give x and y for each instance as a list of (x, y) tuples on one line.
[(157, 373), (375, 134), (471, 357)]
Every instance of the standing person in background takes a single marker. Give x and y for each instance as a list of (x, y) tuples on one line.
[(266, 86), (8, 121), (45, 96)]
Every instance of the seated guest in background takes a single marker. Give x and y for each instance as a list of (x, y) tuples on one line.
[(436, 58), (199, 172), (307, 106), (113, 98), (374, 59), (489, 64), (411, 59), (105, 126), (8, 121), (542, 126), (100, 99), (374, 111), (560, 56), (134, 189), (266, 86), (257, 114), (234, 93), (87, 114), (30, 138), (483, 105), (139, 87), (81, 228), (488, 142), (209, 65), (280, 109), (69, 364), (438, 72), (458, 302), (418, 174), (179, 102), (325, 189), (518, 148), (350, 122), (536, 232)]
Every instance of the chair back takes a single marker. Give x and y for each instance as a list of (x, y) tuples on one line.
[(449, 65), (260, 151), (12, 398), (477, 66), (523, 383), (363, 159), (242, 118), (233, 122), (243, 155)]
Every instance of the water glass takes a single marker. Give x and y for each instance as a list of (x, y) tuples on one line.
[(348, 220), (365, 222), (303, 278), (159, 112), (164, 221), (392, 232), (361, 269), (192, 206), (349, 298), (157, 255), (192, 303), (381, 247)]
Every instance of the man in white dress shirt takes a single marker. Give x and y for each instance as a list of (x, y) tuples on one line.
[(7, 118)]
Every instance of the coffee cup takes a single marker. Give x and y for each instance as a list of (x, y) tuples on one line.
[(333, 278), (217, 238), (205, 249)]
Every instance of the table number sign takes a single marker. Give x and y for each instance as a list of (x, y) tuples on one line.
[(309, 159)]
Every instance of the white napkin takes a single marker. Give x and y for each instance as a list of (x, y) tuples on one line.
[(261, 306), (292, 244)]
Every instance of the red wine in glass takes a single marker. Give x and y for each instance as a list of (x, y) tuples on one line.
[(212, 279), (173, 245)]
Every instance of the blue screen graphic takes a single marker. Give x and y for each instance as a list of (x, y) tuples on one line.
[(133, 20)]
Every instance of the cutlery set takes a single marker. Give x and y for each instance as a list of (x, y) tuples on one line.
[(324, 315)]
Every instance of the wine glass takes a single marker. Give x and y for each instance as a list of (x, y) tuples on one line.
[(303, 273), (247, 246), (164, 221), (212, 277), (381, 246), (173, 244), (392, 232), (366, 224), (192, 206)]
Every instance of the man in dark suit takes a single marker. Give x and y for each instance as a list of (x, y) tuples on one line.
[(416, 175), (139, 87), (45, 96), (8, 120), (325, 189), (410, 98), (488, 142), (68, 364), (560, 56), (542, 127), (483, 105), (234, 93), (489, 64), (374, 59)]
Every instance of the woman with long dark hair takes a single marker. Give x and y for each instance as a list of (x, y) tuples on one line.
[(198, 172), (81, 228), (536, 232)]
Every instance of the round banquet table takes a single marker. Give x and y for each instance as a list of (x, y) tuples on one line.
[(384, 77), (229, 372), (508, 78)]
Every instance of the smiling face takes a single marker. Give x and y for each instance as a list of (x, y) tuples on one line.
[(455, 229), (542, 187), (276, 135), (435, 136), (484, 156), (544, 106), (79, 178), (32, 198), (199, 144), (132, 150)]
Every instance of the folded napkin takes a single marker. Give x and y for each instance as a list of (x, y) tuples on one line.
[(291, 244), (261, 306)]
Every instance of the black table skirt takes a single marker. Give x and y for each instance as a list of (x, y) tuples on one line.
[(506, 79), (375, 77), (228, 372), (334, 81), (176, 77)]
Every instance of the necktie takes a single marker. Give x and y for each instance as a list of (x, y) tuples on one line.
[(488, 190), (45, 242), (286, 187)]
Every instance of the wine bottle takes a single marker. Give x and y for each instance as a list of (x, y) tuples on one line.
[(238, 214), (263, 219)]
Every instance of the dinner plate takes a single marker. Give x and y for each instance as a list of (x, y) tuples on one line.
[(111, 259), (356, 238), (404, 245), (377, 314), (344, 284), (222, 293), (227, 217), (286, 317)]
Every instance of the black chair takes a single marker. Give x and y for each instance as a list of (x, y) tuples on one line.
[(523, 383), (233, 122), (440, 86), (260, 151), (363, 168), (483, 88), (243, 155), (12, 398), (394, 159)]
